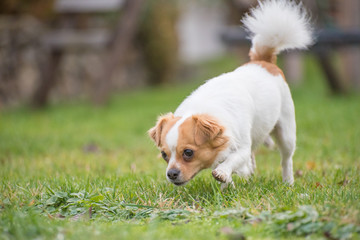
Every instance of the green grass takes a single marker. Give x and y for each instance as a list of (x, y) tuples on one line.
[(75, 171)]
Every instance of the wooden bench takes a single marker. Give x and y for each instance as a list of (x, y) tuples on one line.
[(79, 26)]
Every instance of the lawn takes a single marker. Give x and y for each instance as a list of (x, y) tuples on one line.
[(74, 171)]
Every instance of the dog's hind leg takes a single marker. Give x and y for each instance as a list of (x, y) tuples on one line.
[(285, 136), (269, 143)]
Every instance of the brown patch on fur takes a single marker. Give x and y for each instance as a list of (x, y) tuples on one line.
[(270, 67), (204, 136), (263, 54), (266, 58), (207, 130), (162, 127)]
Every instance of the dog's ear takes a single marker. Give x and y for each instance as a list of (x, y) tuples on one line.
[(207, 129), (155, 132)]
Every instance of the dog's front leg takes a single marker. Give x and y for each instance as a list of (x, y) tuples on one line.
[(238, 162), (223, 174)]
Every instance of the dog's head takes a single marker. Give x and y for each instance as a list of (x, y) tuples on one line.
[(188, 144)]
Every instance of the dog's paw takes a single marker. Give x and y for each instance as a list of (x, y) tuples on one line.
[(221, 176), (288, 180)]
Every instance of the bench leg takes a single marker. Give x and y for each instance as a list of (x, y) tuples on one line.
[(330, 72), (48, 68)]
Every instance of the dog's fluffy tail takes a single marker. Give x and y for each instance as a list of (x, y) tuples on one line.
[(277, 25)]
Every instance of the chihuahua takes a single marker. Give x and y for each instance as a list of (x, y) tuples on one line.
[(221, 124)]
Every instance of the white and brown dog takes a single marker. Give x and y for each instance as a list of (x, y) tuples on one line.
[(222, 122)]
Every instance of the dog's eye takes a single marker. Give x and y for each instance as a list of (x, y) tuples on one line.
[(164, 155), (188, 154)]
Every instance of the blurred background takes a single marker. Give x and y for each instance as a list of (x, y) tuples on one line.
[(56, 50), (82, 81)]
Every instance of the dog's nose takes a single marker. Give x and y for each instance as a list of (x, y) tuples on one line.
[(173, 173)]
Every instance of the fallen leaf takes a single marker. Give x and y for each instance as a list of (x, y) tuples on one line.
[(310, 165), (298, 173), (91, 148), (31, 203)]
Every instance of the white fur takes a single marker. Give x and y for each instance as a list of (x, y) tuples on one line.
[(250, 102), (279, 24), (171, 140), (173, 135)]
